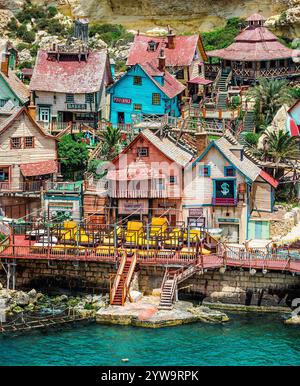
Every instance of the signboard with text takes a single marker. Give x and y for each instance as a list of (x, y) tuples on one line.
[(125, 101)]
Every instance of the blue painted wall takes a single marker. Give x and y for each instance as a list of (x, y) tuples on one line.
[(139, 94)]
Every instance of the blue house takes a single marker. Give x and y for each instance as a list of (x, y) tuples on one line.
[(145, 89)]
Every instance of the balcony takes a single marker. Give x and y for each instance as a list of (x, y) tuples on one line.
[(216, 201), (137, 193), (21, 187)]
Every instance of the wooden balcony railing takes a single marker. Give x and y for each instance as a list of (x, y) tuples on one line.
[(267, 72), (27, 186), (137, 193)]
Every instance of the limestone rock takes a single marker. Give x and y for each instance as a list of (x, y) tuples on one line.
[(205, 314), (25, 56), (156, 292), (136, 296), (22, 299), (5, 16), (293, 320), (1, 286), (32, 293)]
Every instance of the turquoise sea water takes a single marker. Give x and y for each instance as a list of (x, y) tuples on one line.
[(252, 339)]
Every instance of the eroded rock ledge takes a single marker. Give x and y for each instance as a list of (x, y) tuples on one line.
[(145, 313)]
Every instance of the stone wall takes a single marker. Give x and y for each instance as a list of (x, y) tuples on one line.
[(233, 286)]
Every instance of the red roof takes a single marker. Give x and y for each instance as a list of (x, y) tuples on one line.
[(199, 80), (269, 178), (70, 76), (256, 17), (254, 43), (181, 55), (39, 168), (171, 86)]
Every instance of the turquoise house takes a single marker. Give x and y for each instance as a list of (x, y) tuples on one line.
[(144, 90)]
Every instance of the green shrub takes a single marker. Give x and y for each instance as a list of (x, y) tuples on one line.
[(52, 11), (12, 24), (22, 46), (252, 138), (235, 102), (110, 33)]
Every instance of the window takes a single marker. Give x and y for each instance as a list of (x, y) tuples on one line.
[(143, 151), (89, 98), (70, 98), (156, 99), (204, 171), (28, 142), (3, 102), (44, 114), (173, 180), (137, 107), (180, 74), (4, 174), (159, 184), (152, 45), (15, 143), (137, 80), (229, 171)]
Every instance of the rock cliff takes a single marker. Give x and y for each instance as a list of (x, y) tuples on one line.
[(195, 15)]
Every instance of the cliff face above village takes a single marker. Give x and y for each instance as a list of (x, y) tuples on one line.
[(191, 16)]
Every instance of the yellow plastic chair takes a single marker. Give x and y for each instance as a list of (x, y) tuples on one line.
[(158, 226), (134, 232)]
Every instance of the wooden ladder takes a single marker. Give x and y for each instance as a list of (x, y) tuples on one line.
[(120, 288)]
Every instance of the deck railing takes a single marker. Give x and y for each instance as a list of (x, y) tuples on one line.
[(26, 186)]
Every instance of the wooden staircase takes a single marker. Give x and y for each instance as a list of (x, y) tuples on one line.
[(170, 282), (120, 288)]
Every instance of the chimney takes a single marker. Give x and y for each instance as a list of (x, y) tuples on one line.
[(32, 108), (171, 39), (5, 63), (162, 61)]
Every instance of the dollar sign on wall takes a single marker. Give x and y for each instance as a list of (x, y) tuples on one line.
[(225, 188)]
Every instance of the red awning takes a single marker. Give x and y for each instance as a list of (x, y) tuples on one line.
[(269, 178), (39, 168), (201, 81)]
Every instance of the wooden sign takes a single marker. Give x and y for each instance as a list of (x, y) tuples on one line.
[(196, 212), (125, 101)]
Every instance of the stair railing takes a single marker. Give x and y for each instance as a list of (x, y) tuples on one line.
[(118, 277), (129, 277), (228, 80)]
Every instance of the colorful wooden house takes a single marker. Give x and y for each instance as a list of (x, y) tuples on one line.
[(293, 120), (256, 52), (185, 57), (224, 187), (145, 90), (28, 157), (11, 87), (146, 179), (69, 85)]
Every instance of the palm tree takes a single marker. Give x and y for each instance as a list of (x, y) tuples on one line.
[(279, 147), (270, 95), (111, 139)]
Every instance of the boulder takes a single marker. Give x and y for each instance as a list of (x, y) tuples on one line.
[(293, 320), (22, 299), (32, 294), (136, 296), (156, 291)]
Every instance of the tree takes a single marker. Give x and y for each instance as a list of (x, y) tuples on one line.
[(269, 96), (111, 142), (73, 155), (279, 147)]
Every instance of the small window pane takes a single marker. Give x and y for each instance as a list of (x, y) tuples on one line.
[(70, 98), (89, 98), (28, 142), (137, 80), (137, 107), (15, 143), (156, 99), (143, 151)]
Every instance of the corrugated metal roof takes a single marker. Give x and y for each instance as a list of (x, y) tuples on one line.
[(168, 148), (70, 76)]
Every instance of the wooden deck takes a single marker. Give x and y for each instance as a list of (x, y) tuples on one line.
[(25, 250)]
